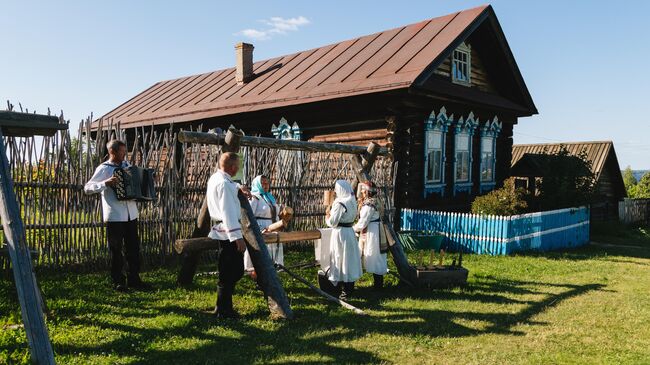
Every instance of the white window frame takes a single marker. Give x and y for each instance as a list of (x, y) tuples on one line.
[(487, 163), (461, 60), (465, 127), (432, 136), (461, 162)]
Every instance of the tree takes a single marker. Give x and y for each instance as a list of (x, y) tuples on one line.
[(642, 188), (629, 179)]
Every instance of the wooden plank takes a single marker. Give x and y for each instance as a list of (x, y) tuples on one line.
[(26, 286), (205, 243), (16, 124)]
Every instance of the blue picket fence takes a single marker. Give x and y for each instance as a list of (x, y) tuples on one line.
[(502, 235)]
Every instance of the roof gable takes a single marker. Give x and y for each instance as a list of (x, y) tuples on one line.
[(384, 61)]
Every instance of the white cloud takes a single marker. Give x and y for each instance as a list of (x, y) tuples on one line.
[(278, 25), (255, 34)]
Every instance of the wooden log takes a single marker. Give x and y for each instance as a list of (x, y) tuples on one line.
[(205, 243), (27, 124), (285, 144), (370, 156), (190, 260), (267, 276), (28, 292), (321, 292)]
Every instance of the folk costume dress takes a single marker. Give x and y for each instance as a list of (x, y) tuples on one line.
[(266, 212), (368, 227), (345, 258)]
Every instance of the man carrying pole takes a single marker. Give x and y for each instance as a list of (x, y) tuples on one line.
[(225, 209)]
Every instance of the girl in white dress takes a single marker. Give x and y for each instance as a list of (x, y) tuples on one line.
[(368, 227), (266, 211), (345, 258)]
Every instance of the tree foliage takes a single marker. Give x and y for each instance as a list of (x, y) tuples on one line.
[(641, 190), (629, 179), (507, 200)]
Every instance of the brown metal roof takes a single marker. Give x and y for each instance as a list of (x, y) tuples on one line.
[(596, 152), (383, 61)]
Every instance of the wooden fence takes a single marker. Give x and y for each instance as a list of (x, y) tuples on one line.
[(64, 225), (502, 235), (632, 211)]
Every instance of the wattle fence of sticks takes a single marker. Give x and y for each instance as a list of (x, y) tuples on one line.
[(502, 235), (64, 225)]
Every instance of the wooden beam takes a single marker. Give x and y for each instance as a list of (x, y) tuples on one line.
[(267, 276), (26, 286), (205, 243), (14, 124), (285, 144)]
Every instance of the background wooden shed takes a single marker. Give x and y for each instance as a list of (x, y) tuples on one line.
[(604, 164)]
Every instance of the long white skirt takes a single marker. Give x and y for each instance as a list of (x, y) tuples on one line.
[(345, 257), (373, 260), (276, 250)]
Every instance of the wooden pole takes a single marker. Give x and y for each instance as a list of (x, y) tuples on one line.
[(28, 292), (321, 292), (285, 144), (267, 276)]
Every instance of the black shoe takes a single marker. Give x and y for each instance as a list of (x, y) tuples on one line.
[(120, 287), (230, 314)]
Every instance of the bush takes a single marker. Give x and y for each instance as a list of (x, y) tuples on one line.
[(507, 200)]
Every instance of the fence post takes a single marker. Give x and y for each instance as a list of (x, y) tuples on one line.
[(28, 292)]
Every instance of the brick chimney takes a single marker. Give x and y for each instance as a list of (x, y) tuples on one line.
[(244, 67)]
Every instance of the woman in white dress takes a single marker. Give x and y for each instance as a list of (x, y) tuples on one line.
[(266, 211), (345, 258), (368, 227)]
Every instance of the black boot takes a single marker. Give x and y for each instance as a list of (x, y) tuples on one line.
[(343, 293), (346, 290), (326, 285), (378, 282), (224, 308)]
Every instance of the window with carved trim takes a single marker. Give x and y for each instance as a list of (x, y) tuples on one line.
[(434, 156), (461, 65), (487, 158), (462, 157)]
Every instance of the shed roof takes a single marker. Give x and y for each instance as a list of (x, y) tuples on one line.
[(597, 152), (388, 60)]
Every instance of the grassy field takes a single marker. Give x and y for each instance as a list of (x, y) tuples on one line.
[(588, 306)]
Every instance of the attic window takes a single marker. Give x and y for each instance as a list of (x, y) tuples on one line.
[(461, 65)]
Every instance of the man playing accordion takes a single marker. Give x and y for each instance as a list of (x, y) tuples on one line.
[(121, 217)]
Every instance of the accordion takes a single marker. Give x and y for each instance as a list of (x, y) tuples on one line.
[(134, 183)]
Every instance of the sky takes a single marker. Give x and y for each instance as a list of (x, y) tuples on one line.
[(585, 62)]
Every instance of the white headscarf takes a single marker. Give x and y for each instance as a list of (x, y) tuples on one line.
[(343, 189)]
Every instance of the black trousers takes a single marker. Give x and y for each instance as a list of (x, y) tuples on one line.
[(123, 236), (231, 269)]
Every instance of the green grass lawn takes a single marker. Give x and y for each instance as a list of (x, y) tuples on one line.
[(590, 306)]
